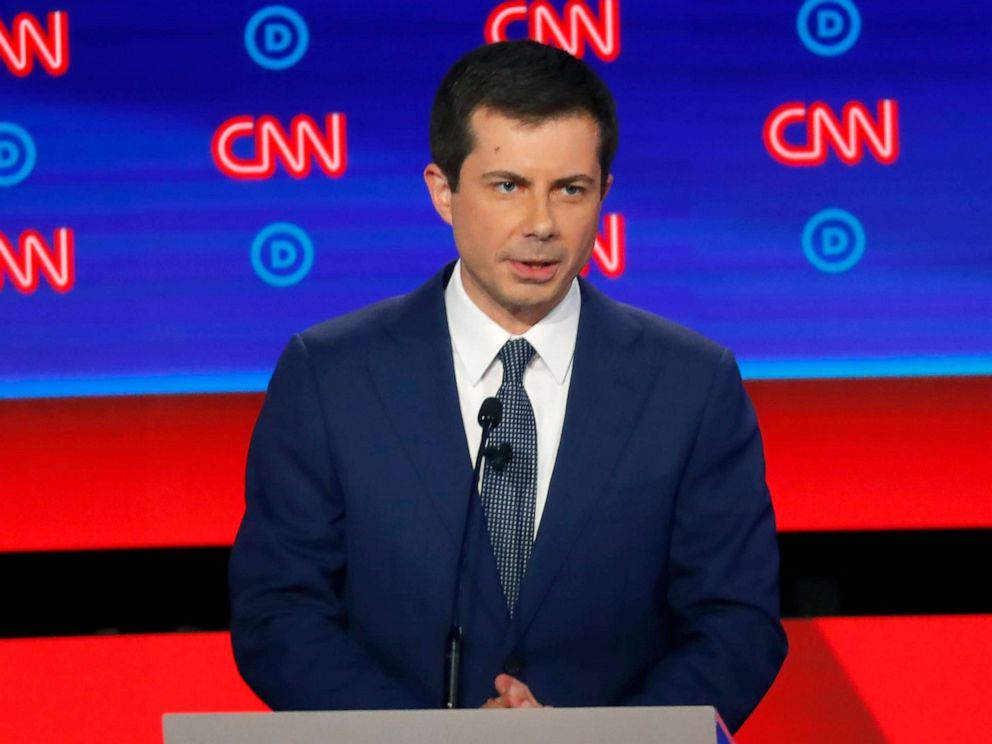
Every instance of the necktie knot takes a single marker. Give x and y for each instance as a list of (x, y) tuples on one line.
[(515, 355)]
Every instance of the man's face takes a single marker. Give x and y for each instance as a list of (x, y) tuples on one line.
[(526, 212)]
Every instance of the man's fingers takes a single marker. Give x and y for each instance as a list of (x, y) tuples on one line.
[(503, 682), (518, 695), (514, 693)]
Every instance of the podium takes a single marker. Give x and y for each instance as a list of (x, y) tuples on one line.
[(648, 725)]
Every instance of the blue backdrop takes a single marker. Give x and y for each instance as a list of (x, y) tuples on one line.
[(166, 296)]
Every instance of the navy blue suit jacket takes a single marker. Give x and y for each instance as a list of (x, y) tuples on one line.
[(654, 575)]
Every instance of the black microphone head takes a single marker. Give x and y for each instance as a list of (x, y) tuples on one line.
[(491, 412), (499, 456), (502, 456)]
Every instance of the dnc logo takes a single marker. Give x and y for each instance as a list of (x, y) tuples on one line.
[(282, 254), (17, 154), (833, 240), (276, 37), (828, 27)]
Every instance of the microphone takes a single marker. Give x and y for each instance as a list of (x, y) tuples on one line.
[(490, 414), (499, 456)]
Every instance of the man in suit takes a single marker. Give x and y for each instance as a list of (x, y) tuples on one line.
[(623, 554)]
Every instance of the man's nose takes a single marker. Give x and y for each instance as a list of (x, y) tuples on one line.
[(540, 222)]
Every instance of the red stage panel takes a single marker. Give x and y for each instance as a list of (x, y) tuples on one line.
[(168, 470), (114, 689), (892, 680), (123, 472), (878, 454)]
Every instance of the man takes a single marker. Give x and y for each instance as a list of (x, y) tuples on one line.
[(624, 553)]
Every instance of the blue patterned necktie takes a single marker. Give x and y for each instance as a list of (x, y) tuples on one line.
[(509, 492)]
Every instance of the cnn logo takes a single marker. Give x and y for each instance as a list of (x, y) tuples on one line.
[(27, 41), (32, 259), (297, 148), (848, 135), (575, 29)]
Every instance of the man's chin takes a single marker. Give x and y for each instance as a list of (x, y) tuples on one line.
[(534, 300)]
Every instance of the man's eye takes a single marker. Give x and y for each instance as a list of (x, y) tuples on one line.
[(572, 190), (506, 187)]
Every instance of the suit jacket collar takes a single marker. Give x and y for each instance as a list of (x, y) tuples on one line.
[(415, 378), (610, 380)]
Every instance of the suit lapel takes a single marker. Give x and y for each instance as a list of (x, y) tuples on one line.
[(603, 400), (414, 376)]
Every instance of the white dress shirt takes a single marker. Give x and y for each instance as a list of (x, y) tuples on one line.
[(475, 342)]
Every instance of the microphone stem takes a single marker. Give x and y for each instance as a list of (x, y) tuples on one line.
[(453, 643)]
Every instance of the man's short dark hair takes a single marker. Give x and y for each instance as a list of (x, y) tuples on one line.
[(522, 80)]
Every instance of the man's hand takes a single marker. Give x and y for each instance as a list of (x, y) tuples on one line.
[(512, 694)]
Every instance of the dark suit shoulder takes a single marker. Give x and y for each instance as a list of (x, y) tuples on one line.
[(414, 316), (662, 330), (352, 331)]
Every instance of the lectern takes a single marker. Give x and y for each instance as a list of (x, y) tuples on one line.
[(660, 725)]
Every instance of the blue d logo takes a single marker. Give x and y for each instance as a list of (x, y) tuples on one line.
[(276, 37), (833, 240), (828, 27), (282, 254), (17, 154)]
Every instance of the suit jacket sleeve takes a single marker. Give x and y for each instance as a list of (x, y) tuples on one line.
[(728, 642), (287, 570)]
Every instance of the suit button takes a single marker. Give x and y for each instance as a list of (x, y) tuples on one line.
[(513, 665)]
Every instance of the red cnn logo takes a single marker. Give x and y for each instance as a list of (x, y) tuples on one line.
[(847, 136), (571, 31), (26, 40), (296, 149), (610, 251), (35, 257)]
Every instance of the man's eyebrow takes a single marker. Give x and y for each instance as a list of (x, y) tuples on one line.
[(574, 178), (516, 177), (505, 175)]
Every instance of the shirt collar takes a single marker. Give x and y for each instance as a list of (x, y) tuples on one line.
[(477, 338)]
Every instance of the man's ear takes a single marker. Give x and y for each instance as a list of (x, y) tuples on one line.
[(606, 187), (439, 189)]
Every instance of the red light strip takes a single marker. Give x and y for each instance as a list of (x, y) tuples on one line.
[(163, 471)]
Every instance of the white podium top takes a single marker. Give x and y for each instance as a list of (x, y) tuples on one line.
[(661, 725)]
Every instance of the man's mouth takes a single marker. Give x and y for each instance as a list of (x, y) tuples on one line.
[(535, 270)]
